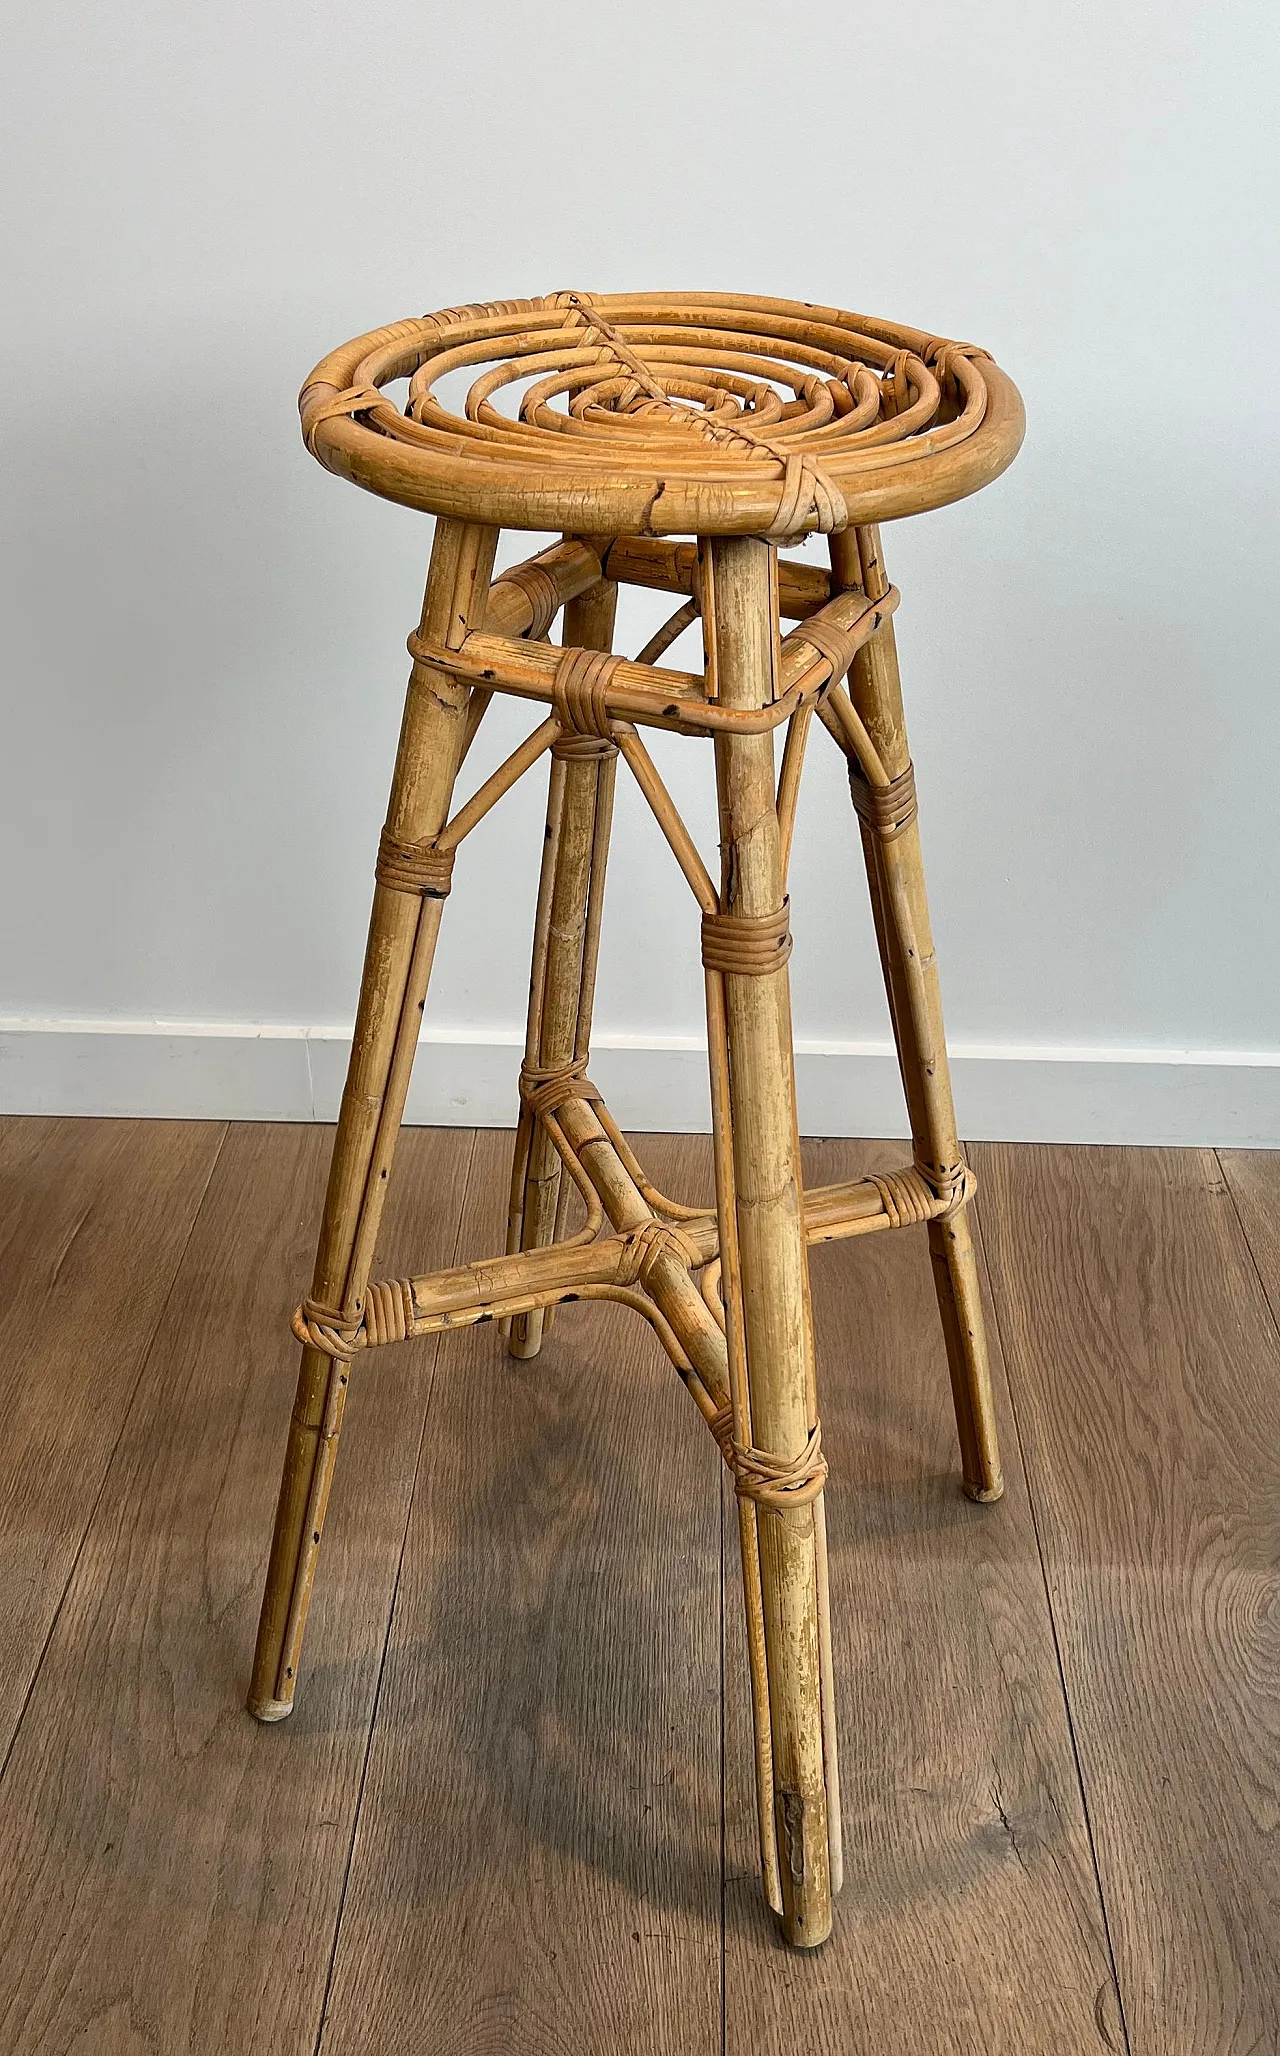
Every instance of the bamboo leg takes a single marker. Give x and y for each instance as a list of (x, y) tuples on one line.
[(895, 872), (566, 947), (761, 1228), (402, 937)]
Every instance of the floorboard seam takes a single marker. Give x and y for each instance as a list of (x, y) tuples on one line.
[(144, 1359), (1244, 1236), (325, 1996), (1007, 1362), (724, 1863)]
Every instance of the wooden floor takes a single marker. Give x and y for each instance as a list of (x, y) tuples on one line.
[(512, 1811)]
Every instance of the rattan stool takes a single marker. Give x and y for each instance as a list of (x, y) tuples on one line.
[(745, 424)]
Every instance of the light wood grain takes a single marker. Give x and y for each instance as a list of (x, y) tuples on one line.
[(970, 1920), (1253, 1180), (1146, 1372), (173, 1874), (94, 1217), (537, 1867), (173, 1870)]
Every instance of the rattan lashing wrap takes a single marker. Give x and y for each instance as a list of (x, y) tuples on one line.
[(887, 810), (542, 593), (782, 1484), (387, 1317), (747, 945), (543, 1088), (647, 1244), (417, 867), (579, 693)]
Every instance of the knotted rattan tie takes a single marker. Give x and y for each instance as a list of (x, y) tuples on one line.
[(887, 810), (540, 589), (579, 692), (387, 1317), (644, 1247), (837, 645), (572, 748), (782, 1484), (544, 1087), (356, 400), (414, 867), (953, 1185), (942, 356), (806, 488), (747, 945)]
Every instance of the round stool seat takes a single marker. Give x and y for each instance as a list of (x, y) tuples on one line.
[(664, 414)]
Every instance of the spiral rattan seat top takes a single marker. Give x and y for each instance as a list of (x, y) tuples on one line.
[(663, 414)]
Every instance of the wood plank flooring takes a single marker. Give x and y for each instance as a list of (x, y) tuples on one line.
[(512, 1810)]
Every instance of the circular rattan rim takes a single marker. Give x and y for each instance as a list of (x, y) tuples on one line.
[(661, 414)]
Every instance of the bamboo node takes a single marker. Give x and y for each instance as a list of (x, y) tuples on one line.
[(580, 692), (643, 1248), (747, 945), (543, 1088), (414, 867), (887, 810)]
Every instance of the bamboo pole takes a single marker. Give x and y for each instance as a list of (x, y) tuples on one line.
[(482, 1287), (662, 698), (895, 872), (776, 1321), (402, 938), (668, 1280), (572, 565), (667, 567), (789, 783), (537, 983), (566, 984)]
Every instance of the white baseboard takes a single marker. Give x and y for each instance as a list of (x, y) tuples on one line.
[(1023, 1093)]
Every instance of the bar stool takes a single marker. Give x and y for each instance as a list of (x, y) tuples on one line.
[(744, 424)]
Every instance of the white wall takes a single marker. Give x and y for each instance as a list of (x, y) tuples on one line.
[(202, 648)]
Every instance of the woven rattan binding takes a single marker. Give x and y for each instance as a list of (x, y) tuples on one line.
[(414, 867), (747, 945)]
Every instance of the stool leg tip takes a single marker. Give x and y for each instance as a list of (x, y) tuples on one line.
[(799, 1934), (270, 1709), (984, 1494), (527, 1331)]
